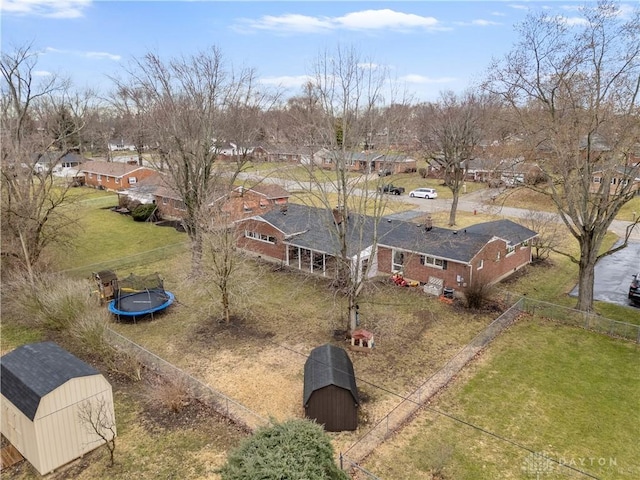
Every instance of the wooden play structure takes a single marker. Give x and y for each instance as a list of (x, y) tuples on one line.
[(107, 282)]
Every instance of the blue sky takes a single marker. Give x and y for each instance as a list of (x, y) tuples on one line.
[(428, 46)]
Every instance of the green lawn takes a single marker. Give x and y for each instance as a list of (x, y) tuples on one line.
[(108, 240), (568, 393)]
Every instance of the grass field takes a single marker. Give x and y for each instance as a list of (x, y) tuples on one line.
[(564, 392)]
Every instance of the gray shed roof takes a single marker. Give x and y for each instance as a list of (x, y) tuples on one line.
[(30, 372), (329, 365)]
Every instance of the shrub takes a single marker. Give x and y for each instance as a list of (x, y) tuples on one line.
[(170, 392), (422, 172), (142, 212), (477, 293), (295, 450)]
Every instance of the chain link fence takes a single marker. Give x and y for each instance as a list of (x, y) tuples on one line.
[(577, 318), (225, 406), (410, 404), (131, 261)]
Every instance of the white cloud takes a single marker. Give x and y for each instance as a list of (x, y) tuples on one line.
[(421, 79), (101, 55), (571, 21), (498, 14), (286, 81), (385, 19), (477, 23), (362, 20), (41, 73), (46, 8), (78, 53)]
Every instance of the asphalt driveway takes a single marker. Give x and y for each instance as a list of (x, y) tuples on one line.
[(613, 275)]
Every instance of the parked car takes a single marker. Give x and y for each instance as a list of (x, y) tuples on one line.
[(424, 193), (634, 290), (385, 172), (390, 188)]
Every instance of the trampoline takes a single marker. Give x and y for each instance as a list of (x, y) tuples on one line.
[(138, 296)]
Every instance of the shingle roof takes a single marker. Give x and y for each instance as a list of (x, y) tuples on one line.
[(311, 228), (30, 372), (513, 233), (113, 169), (328, 365), (271, 191)]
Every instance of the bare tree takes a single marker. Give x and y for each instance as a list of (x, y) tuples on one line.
[(187, 98), (451, 131), (229, 275), (97, 418), (574, 89), (549, 232), (342, 102), (36, 117)]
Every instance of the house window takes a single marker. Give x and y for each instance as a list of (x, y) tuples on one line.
[(597, 179), (525, 243), (433, 262), (99, 178), (117, 180), (179, 205), (398, 261), (510, 249), (133, 180), (90, 175), (260, 236), (165, 201), (480, 264)]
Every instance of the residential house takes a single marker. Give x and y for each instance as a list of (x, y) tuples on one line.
[(442, 257), (112, 175), (618, 179), (366, 162), (244, 202), (283, 153), (121, 145), (59, 164), (302, 237)]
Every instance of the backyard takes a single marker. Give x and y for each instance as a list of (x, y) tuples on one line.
[(258, 361)]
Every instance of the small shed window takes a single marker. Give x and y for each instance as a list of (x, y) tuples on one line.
[(133, 180)]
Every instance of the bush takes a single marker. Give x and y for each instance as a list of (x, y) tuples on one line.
[(295, 450), (477, 293), (171, 393), (422, 172), (142, 212)]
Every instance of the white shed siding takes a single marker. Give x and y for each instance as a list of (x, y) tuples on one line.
[(20, 431), (61, 436), (56, 436)]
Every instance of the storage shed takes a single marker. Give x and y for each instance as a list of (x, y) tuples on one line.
[(43, 389), (330, 392)]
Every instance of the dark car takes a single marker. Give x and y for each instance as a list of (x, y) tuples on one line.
[(390, 188), (634, 290)]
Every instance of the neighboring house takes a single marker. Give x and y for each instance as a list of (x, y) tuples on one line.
[(44, 391), (282, 153), (441, 257), (121, 145), (301, 237), (618, 179), (60, 165), (244, 202), (366, 162), (112, 175), (514, 172), (330, 395)]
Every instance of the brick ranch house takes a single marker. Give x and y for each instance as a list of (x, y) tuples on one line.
[(112, 176), (300, 237)]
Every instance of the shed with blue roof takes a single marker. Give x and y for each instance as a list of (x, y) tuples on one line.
[(43, 389)]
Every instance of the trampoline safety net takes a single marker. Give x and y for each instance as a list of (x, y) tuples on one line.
[(140, 283)]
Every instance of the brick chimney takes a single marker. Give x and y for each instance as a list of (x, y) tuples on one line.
[(428, 223)]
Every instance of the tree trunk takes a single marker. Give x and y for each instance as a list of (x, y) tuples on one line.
[(586, 273), (353, 313), (225, 305), (454, 207)]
